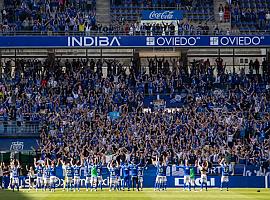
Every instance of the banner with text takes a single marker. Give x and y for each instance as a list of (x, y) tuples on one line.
[(172, 181), (162, 15), (132, 41), (175, 177), (18, 145)]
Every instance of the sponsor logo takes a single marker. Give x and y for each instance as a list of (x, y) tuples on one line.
[(93, 41), (59, 182), (235, 41), (166, 15), (16, 146), (180, 182), (171, 41), (180, 171), (213, 41), (150, 41)]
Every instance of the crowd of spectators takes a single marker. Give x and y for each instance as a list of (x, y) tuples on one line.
[(96, 107), (192, 10), (55, 17), (48, 15), (250, 15), (224, 12), (79, 16), (183, 27)]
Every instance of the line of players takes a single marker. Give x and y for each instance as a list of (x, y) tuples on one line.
[(189, 175), (122, 176)]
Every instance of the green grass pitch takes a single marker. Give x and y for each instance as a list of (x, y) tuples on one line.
[(147, 194)]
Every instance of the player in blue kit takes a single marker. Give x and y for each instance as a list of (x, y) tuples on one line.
[(157, 181), (126, 175), (39, 171), (77, 173), (69, 176), (118, 177), (187, 180), (50, 175), (112, 167), (225, 170), (52, 168), (64, 166), (162, 174), (15, 167), (134, 175), (141, 168), (99, 174), (87, 173), (161, 179), (46, 177)]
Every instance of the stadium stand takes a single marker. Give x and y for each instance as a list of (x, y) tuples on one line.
[(251, 16), (61, 17), (79, 17), (130, 10), (83, 112), (103, 99), (47, 16)]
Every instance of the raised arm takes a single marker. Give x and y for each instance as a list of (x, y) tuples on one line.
[(109, 165), (19, 165), (154, 161), (71, 162), (35, 162), (221, 162), (117, 164), (81, 160), (48, 162), (58, 162), (199, 164), (62, 162)]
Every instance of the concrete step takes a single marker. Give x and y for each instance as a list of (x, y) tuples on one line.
[(216, 8), (103, 9), (67, 53), (1, 8)]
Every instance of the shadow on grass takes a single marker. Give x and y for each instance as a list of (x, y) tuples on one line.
[(16, 195)]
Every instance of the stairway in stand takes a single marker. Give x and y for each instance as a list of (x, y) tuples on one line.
[(222, 25), (103, 9)]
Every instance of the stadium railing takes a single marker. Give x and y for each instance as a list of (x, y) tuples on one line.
[(96, 33), (10, 128)]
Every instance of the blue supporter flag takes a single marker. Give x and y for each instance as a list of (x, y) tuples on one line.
[(114, 115)]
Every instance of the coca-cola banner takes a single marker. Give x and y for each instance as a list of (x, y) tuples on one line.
[(162, 15)]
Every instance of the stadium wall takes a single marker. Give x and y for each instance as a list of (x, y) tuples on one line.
[(174, 182), (132, 41), (246, 177)]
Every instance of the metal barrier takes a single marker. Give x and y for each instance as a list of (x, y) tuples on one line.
[(16, 128), (95, 33), (119, 33)]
